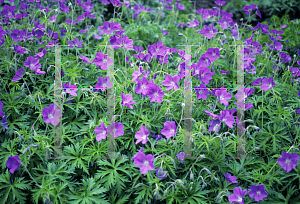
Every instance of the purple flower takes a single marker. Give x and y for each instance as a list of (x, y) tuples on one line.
[(171, 82), (194, 23), (223, 95), (18, 75), (160, 173), (53, 18), (4, 122), (13, 162), (101, 132), (237, 196), (288, 161), (32, 63), (116, 3), (71, 89), (155, 93), (267, 83), (212, 54), (40, 54), (215, 125), (105, 2), (256, 82), (243, 93), (258, 12), (145, 162), (19, 49), (138, 49), (230, 179), (17, 35), (181, 156), (88, 6), (248, 9), (103, 84), (1, 112), (8, 11), (63, 7), (285, 57), (283, 26), (208, 31), (224, 72), (164, 32), (85, 59), (205, 75), (213, 116), (125, 43), (142, 86), (126, 100), (142, 135), (108, 28), (227, 118), (102, 60), (299, 93), (116, 129), (298, 111), (51, 114), (75, 42), (220, 3), (225, 21), (179, 6), (258, 192), (157, 49), (158, 137), (202, 92), (169, 129)]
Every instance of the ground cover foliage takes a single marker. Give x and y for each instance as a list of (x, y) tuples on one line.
[(149, 104)]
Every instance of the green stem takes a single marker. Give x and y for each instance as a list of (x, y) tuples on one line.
[(30, 175)]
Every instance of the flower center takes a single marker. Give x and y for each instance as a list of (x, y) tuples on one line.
[(157, 50), (156, 94), (143, 86), (221, 97), (270, 85), (211, 32), (9, 13), (146, 163), (171, 131), (108, 29), (216, 127), (258, 192), (288, 161), (18, 36), (202, 75), (201, 92), (104, 61), (240, 199), (114, 130), (172, 83), (225, 119), (144, 137), (32, 65), (213, 54), (50, 116), (103, 132)]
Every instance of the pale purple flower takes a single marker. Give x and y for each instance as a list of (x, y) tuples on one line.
[(32, 63), (171, 82), (102, 60), (116, 129), (194, 23), (155, 93), (169, 129), (75, 42), (101, 132), (267, 83), (85, 59), (145, 162), (205, 75), (238, 195), (227, 118), (68, 88), (215, 125), (202, 92), (51, 114), (179, 6), (164, 32), (220, 3), (142, 135), (223, 95), (208, 31), (126, 101)]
